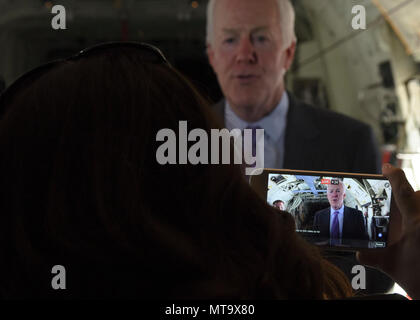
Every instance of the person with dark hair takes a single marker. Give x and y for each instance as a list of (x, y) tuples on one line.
[(279, 204), (81, 188)]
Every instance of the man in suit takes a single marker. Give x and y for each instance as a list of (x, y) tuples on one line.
[(251, 45), (339, 222)]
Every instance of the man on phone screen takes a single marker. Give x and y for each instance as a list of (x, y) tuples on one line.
[(338, 221)]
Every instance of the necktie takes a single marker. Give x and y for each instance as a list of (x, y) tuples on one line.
[(335, 228)]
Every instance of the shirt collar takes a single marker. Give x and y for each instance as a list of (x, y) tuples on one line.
[(274, 124), (340, 211)]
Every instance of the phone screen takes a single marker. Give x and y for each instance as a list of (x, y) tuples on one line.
[(335, 211)]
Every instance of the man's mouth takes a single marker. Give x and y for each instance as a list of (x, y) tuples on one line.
[(246, 79), (246, 76)]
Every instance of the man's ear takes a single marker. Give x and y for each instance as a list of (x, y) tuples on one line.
[(210, 54), (290, 55)]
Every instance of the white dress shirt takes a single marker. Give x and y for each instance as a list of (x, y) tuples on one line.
[(274, 125)]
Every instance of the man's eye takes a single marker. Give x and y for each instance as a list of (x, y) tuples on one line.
[(229, 40), (260, 39)]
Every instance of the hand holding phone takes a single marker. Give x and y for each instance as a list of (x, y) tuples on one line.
[(338, 211), (401, 260)]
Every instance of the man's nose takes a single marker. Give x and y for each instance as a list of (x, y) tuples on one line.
[(246, 51)]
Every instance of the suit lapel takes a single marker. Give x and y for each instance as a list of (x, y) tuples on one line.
[(219, 108), (300, 133), (301, 130), (326, 222), (346, 222)]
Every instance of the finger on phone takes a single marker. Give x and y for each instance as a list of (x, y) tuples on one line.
[(383, 259), (371, 258), (396, 226), (402, 190)]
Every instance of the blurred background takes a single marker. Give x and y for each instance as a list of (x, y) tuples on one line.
[(372, 75)]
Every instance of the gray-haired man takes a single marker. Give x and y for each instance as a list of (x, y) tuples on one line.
[(251, 45)]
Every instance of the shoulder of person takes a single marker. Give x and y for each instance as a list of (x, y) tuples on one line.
[(354, 210), (219, 110), (219, 106), (319, 212), (330, 117)]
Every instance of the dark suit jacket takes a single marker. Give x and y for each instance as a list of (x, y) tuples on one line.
[(353, 224), (322, 140)]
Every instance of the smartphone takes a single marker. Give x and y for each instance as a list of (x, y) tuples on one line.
[(337, 211)]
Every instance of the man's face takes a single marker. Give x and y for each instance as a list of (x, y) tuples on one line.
[(336, 195), (279, 205), (248, 57)]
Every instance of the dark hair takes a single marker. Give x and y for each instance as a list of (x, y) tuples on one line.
[(80, 187), (276, 201)]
